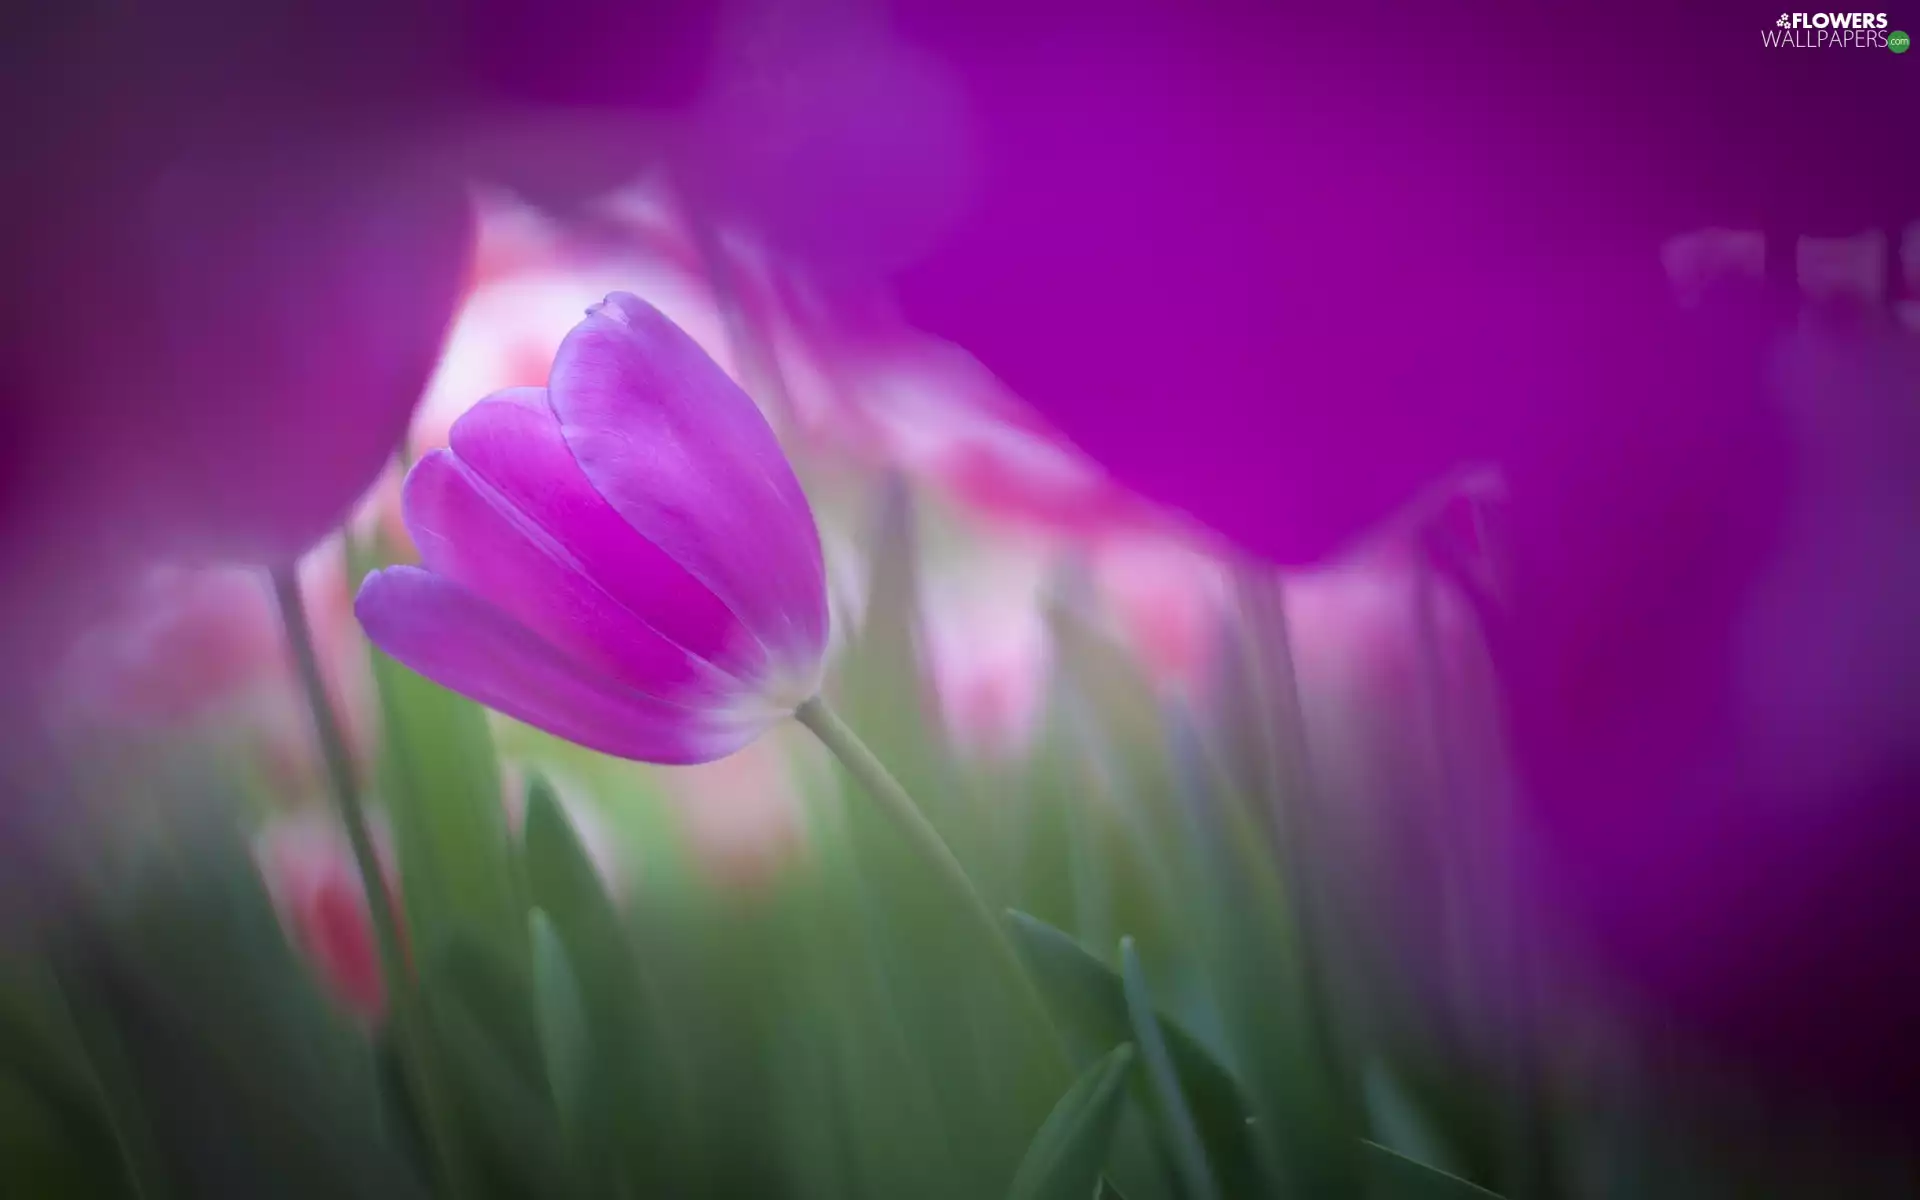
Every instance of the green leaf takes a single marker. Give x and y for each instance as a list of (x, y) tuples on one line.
[(512, 1119), (439, 777), (43, 1153), (488, 1051), (1275, 1008), (442, 790), (493, 993), (249, 1082), (1091, 1002), (1398, 1122), (563, 884), (1397, 1177), (38, 1041), (1183, 1132), (558, 1014), (635, 1085), (1064, 1161)]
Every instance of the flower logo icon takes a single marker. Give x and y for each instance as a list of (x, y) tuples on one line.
[(1784, 21)]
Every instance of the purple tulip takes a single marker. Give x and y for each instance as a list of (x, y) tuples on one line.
[(623, 558)]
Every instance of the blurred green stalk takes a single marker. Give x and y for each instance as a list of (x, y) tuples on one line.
[(934, 852), (402, 1002)]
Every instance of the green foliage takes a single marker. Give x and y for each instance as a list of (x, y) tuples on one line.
[(1066, 1156)]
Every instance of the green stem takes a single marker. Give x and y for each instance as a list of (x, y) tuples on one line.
[(934, 852), (402, 1000)]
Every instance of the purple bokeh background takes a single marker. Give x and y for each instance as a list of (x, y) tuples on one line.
[(1280, 268)]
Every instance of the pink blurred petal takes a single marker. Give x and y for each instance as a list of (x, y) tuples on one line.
[(1168, 599), (684, 456), (315, 885), (508, 330), (742, 814), (929, 409), (461, 642), (987, 653), (201, 649)]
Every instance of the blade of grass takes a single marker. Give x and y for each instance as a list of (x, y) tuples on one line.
[(1190, 1153)]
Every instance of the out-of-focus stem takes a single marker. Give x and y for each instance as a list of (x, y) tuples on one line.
[(933, 851), (402, 1001)]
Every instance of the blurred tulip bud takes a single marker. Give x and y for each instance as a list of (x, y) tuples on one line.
[(1367, 684), (986, 650), (1167, 597), (315, 886), (202, 649), (742, 814), (929, 410)]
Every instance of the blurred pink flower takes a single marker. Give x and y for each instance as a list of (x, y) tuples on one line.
[(315, 886), (507, 333), (1167, 597), (928, 409), (1356, 631), (623, 559), (986, 650), (742, 814), (203, 649)]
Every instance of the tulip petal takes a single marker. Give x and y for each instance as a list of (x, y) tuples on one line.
[(683, 455), (473, 536), (511, 441), (451, 636)]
